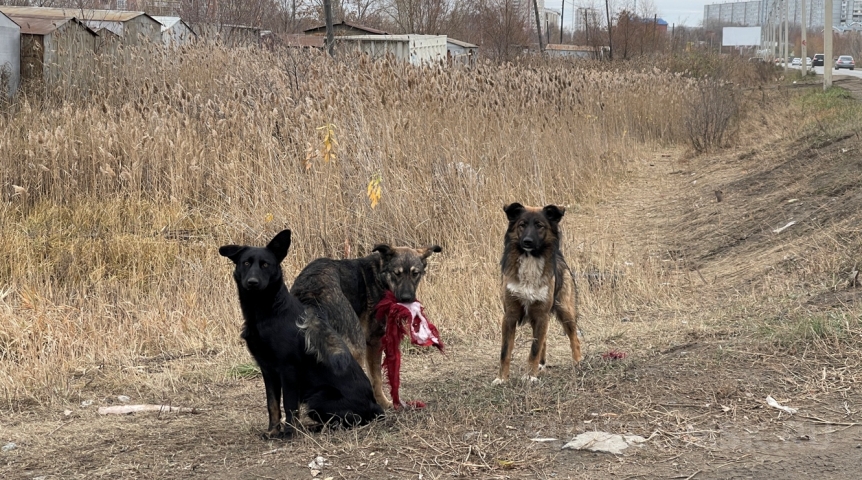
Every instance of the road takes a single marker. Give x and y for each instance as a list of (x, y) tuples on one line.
[(836, 73)]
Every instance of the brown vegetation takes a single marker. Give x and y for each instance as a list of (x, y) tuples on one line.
[(114, 203)]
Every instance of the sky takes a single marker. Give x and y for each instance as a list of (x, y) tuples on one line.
[(679, 12)]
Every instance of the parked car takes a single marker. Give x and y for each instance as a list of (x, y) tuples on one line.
[(796, 62), (818, 60), (845, 61)]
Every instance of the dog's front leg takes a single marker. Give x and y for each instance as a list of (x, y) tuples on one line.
[(513, 313), (374, 358), (272, 383), (540, 316), (291, 405)]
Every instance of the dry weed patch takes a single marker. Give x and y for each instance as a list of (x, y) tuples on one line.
[(114, 203), (115, 199)]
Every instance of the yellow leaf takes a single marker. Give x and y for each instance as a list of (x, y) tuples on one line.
[(268, 218)]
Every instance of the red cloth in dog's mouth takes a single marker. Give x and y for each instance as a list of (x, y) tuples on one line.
[(398, 316)]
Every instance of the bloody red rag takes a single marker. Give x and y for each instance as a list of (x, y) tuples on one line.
[(401, 319)]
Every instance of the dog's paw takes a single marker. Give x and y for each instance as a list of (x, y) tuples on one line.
[(280, 432), (542, 367), (530, 378), (498, 381)]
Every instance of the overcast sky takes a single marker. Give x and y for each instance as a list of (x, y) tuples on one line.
[(680, 12)]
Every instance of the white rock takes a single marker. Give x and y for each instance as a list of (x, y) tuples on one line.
[(604, 442)]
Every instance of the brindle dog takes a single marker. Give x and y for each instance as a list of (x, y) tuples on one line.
[(536, 282), (346, 292)]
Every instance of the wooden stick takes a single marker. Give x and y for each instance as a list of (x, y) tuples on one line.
[(124, 409)]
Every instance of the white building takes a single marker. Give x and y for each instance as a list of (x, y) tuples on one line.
[(10, 55), (175, 32)]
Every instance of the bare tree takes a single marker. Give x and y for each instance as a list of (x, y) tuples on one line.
[(503, 27), (419, 16)]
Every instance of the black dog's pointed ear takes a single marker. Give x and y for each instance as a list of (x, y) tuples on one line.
[(427, 251), (554, 213), (385, 250), (280, 244), (513, 211), (231, 251)]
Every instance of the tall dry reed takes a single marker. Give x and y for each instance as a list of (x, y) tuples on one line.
[(115, 200)]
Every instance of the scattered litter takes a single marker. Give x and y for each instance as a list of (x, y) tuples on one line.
[(67, 412), (774, 404), (793, 200), (789, 224), (318, 462), (124, 409), (614, 355), (86, 403), (123, 398), (604, 442), (9, 447), (543, 439)]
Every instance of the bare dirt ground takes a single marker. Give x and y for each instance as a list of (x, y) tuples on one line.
[(694, 380)]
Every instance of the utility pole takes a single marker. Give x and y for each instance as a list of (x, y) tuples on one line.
[(804, 41), (610, 35), (538, 25), (827, 44), (562, 11), (330, 33), (786, 49)]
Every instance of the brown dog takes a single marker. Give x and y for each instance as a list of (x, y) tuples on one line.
[(536, 282), (346, 292)]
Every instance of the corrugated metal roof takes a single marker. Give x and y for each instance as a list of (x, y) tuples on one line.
[(83, 14), (460, 43), (356, 26), (36, 25), (170, 22)]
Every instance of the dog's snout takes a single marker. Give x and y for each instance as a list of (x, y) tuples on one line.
[(406, 298), (528, 242), (252, 282)]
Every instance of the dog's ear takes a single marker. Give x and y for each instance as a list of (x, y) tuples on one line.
[(280, 244), (554, 213), (427, 251), (385, 250), (513, 211), (232, 252)]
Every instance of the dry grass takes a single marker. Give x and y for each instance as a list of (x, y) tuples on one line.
[(115, 201), (113, 284)]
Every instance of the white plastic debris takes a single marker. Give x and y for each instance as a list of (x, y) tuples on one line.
[(9, 447), (318, 463), (86, 403), (543, 439), (604, 442), (774, 404), (123, 398), (781, 229)]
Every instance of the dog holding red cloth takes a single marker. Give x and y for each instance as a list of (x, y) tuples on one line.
[(402, 319)]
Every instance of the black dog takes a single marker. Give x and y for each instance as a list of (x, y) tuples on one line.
[(347, 291), (299, 354)]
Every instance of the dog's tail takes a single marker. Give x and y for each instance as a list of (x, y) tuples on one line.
[(322, 341)]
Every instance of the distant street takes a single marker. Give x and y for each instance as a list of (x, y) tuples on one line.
[(837, 73)]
